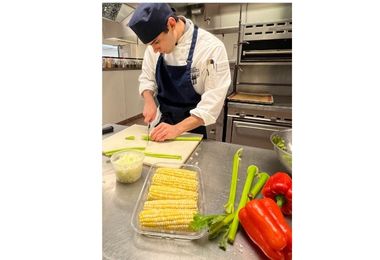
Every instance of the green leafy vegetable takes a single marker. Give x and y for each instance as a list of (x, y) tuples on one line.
[(223, 241), (218, 227), (205, 221)]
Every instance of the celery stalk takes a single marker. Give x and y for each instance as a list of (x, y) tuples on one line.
[(179, 138), (251, 172), (263, 177), (156, 155), (220, 226), (111, 152), (162, 155), (223, 241), (229, 206)]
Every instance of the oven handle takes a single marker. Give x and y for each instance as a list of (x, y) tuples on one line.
[(260, 120), (252, 52), (270, 128)]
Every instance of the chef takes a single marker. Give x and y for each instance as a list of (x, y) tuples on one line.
[(185, 72)]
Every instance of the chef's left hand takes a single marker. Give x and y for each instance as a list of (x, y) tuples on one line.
[(164, 131)]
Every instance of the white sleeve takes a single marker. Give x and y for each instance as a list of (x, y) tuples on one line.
[(216, 85), (147, 77)]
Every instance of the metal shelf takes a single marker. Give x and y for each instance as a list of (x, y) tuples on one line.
[(223, 30)]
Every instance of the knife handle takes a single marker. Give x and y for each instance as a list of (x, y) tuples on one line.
[(108, 129)]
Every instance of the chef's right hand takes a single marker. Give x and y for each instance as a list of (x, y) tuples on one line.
[(149, 112), (150, 108)]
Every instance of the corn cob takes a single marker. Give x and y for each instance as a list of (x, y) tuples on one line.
[(172, 200), (157, 192), (172, 219), (183, 173), (176, 182), (168, 213), (171, 204), (178, 227)]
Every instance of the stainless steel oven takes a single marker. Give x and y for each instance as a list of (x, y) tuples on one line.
[(264, 68), (252, 125)]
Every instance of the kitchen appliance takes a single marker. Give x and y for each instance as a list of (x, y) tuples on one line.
[(252, 124), (266, 42), (264, 69), (115, 18)]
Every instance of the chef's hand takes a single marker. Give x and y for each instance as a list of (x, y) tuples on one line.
[(149, 112), (165, 131), (150, 108)]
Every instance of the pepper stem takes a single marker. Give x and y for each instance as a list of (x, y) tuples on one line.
[(280, 199)]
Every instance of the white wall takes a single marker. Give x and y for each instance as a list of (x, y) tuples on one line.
[(121, 99)]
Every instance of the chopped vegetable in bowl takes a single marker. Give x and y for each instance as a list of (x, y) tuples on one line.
[(127, 165), (282, 142), (279, 141)]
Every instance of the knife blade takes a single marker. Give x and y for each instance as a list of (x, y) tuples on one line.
[(148, 134)]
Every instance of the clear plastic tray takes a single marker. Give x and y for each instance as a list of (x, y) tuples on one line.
[(144, 194)]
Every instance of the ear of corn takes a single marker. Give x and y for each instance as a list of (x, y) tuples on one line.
[(173, 181), (172, 200), (163, 218), (183, 173), (158, 192), (171, 204)]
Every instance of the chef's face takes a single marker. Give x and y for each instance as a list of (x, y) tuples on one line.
[(165, 41)]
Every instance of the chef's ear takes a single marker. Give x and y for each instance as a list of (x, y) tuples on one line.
[(171, 22)]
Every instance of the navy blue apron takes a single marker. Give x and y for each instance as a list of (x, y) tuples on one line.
[(176, 94)]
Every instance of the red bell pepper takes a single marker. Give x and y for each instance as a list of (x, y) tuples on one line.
[(264, 223), (279, 188)]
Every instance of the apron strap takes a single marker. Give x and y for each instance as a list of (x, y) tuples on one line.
[(192, 47)]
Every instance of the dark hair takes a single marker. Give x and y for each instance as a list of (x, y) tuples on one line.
[(175, 18)]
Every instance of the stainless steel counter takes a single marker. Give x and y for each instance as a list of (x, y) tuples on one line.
[(120, 241)]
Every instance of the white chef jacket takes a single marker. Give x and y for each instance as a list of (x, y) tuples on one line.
[(212, 80)]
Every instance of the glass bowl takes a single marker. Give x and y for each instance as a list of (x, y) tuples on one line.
[(282, 143)]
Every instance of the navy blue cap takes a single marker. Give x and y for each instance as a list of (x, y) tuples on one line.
[(149, 20)]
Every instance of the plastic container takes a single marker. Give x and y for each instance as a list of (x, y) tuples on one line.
[(182, 235), (127, 165)]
